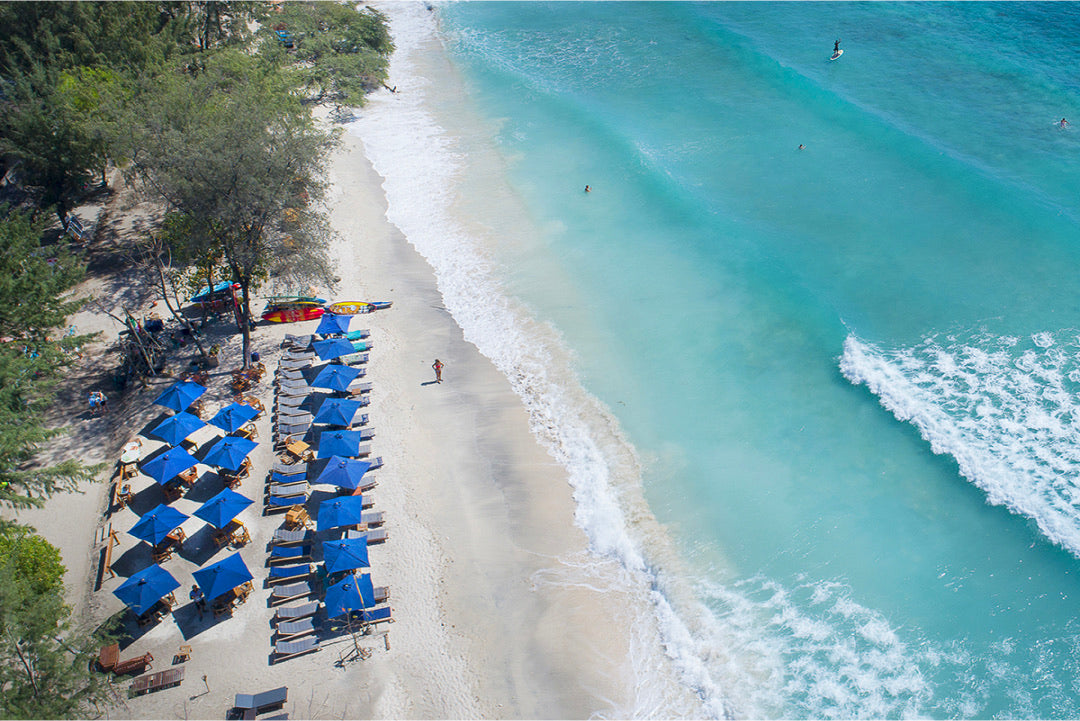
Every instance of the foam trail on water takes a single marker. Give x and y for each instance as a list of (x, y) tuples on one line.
[(1005, 408)]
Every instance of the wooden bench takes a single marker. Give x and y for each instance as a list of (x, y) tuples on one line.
[(108, 656), (114, 540), (133, 665), (156, 681)]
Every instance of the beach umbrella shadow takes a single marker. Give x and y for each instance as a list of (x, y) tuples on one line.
[(132, 560), (199, 546), (205, 488)]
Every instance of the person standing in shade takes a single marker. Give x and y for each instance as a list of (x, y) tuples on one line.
[(438, 366), (196, 595)]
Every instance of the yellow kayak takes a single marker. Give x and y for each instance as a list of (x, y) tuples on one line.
[(349, 307)]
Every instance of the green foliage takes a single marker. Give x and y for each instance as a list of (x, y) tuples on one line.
[(340, 53), (44, 660), (33, 281)]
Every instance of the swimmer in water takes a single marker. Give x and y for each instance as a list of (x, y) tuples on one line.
[(1063, 123), (588, 189)]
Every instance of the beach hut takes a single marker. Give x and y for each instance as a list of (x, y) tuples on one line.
[(145, 588), (177, 427), (180, 395)]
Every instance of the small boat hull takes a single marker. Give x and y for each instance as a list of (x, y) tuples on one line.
[(292, 315)]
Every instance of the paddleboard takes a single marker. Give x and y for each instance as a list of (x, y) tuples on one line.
[(349, 307), (837, 54)]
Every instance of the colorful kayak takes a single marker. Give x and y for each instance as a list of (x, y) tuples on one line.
[(292, 313), (381, 304), (289, 299), (349, 307)]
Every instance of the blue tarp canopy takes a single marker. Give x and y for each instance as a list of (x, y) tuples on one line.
[(343, 472), (145, 588), (223, 576), (180, 395), (165, 466), (223, 507), (343, 511), (158, 523), (229, 452), (333, 324)]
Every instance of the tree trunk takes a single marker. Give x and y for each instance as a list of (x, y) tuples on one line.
[(245, 324)]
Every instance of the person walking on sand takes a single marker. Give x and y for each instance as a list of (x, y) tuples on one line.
[(438, 366)]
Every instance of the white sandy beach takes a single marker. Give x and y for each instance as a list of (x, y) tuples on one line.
[(477, 514)]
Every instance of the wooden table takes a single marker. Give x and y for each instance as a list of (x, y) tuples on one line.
[(296, 516), (159, 680), (298, 449), (108, 656)]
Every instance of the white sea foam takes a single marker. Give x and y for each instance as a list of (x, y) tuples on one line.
[(1007, 412)]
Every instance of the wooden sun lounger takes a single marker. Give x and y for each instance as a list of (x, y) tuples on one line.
[(277, 505), (132, 665), (156, 681), (286, 537), (291, 374), (374, 535), (280, 490), (358, 334), (290, 469), (297, 341), (375, 616), (288, 401), (373, 518), (381, 594), (284, 574), (376, 462), (289, 649), (289, 592), (291, 613), (280, 479), (289, 630), (289, 554), (352, 359), (294, 364), (291, 387)]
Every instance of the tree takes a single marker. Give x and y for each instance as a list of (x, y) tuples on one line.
[(339, 53), (44, 660), (32, 284), (233, 149)]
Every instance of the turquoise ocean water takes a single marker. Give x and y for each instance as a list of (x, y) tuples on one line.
[(823, 401)]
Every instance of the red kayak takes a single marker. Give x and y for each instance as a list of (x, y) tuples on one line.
[(292, 314)]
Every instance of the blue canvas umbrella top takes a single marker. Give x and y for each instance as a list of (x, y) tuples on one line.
[(337, 411), (343, 472), (352, 593), (346, 555), (343, 511), (229, 452), (223, 576), (336, 377), (177, 427), (158, 523), (232, 417), (338, 443), (332, 323), (223, 507), (164, 467), (180, 395), (143, 589)]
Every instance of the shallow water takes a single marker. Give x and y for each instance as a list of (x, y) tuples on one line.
[(843, 378)]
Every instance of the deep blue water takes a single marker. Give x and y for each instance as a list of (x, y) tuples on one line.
[(850, 370)]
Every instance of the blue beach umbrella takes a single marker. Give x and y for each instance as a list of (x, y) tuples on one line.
[(223, 576), (180, 395), (223, 507), (333, 324), (352, 593), (145, 588), (337, 411), (336, 377), (343, 511), (338, 443), (343, 472), (177, 427), (229, 452), (232, 417), (346, 555), (332, 348), (158, 523), (165, 466)]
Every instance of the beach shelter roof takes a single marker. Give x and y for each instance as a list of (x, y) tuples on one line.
[(346, 555), (177, 427), (164, 466), (180, 395), (351, 593), (337, 411), (341, 511), (229, 452), (343, 472), (332, 323), (158, 523), (232, 417), (335, 377), (223, 576), (143, 589), (223, 507), (338, 443)]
